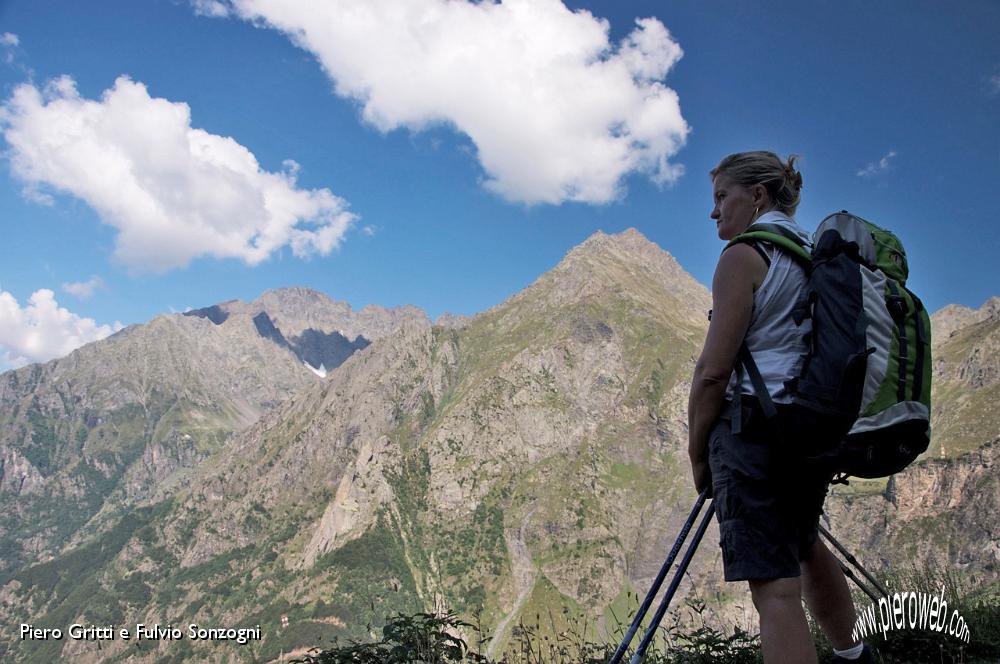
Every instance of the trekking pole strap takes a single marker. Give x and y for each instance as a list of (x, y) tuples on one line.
[(678, 575), (641, 613)]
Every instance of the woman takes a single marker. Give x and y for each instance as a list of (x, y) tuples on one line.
[(767, 500)]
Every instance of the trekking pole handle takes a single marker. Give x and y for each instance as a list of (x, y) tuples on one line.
[(641, 613)]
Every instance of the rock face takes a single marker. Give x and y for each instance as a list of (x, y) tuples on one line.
[(528, 460), (939, 514), (952, 318), (966, 384)]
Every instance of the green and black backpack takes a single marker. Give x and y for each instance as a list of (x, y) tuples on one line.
[(862, 399)]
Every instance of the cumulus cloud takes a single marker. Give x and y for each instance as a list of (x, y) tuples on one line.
[(877, 168), (83, 289), (172, 191), (555, 110), (42, 330)]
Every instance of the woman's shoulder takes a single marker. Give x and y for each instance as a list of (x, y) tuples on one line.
[(738, 264)]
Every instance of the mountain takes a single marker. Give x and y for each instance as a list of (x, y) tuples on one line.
[(121, 421), (966, 382), (950, 319), (318, 330), (528, 461)]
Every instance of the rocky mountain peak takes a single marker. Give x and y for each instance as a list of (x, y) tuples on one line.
[(630, 241), (950, 319), (991, 308), (450, 320), (629, 246), (966, 356), (299, 300), (625, 264), (297, 311), (319, 331)]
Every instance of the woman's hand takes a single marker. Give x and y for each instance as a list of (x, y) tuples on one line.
[(702, 475)]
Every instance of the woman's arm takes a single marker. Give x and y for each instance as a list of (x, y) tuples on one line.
[(739, 273)]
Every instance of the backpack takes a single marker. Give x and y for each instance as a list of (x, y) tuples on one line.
[(861, 402)]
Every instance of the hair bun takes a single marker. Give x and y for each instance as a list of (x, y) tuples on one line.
[(792, 176)]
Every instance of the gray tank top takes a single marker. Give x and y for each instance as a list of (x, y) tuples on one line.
[(776, 343)]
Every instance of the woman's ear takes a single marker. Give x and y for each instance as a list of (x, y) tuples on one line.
[(760, 197)]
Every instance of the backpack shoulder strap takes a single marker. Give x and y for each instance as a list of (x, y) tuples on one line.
[(778, 236), (794, 245)]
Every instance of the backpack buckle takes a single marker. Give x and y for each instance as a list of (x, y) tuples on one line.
[(840, 478), (897, 308)]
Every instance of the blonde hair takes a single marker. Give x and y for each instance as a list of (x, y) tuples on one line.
[(779, 178)]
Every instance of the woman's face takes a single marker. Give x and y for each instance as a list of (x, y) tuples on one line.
[(734, 207)]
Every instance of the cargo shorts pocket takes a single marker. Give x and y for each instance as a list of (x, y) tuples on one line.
[(734, 536), (727, 502)]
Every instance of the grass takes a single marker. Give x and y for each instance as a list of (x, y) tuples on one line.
[(977, 603), (427, 638), (684, 636)]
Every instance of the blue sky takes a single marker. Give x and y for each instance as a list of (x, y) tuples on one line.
[(447, 154)]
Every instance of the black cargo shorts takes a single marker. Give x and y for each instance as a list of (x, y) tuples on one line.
[(768, 498)]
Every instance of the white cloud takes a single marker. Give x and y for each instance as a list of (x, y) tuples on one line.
[(210, 8), (877, 168), (993, 85), (32, 193), (42, 330), (174, 192), (556, 112), (84, 289), (9, 42)]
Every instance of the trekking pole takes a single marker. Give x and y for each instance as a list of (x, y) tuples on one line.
[(854, 561), (854, 577), (678, 543), (665, 602)]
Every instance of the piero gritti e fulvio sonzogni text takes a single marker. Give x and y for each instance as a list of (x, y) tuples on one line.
[(140, 632)]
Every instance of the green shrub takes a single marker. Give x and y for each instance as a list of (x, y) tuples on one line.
[(421, 637)]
